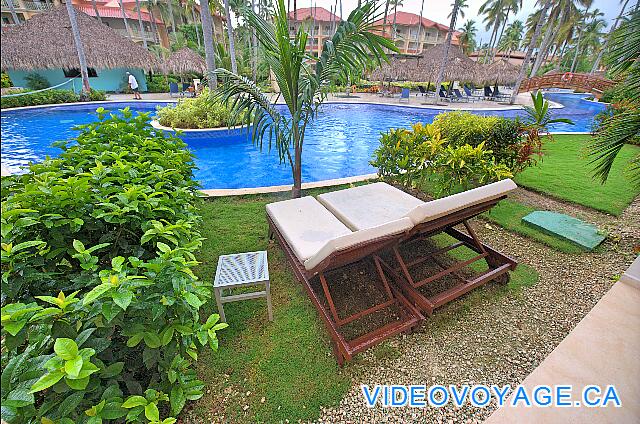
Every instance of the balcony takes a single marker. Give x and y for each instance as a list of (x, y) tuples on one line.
[(136, 35), (27, 6)]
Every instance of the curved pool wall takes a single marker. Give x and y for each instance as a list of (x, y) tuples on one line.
[(338, 144)]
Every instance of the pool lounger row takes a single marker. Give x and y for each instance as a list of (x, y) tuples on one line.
[(360, 225)]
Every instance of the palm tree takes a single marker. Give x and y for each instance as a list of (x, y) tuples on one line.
[(173, 18), (232, 46), (512, 38), (95, 9), (468, 36), (596, 64), (532, 44), (493, 16), (419, 25), (254, 48), (456, 9), (190, 8), (82, 61), (621, 123), (396, 3), (581, 28), (142, 32), (124, 19), (303, 80), (209, 52), (511, 6), (386, 12)]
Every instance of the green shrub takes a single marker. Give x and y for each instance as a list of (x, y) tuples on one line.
[(414, 157), (36, 82), (500, 135), (6, 81), (199, 112), (48, 97), (101, 310)]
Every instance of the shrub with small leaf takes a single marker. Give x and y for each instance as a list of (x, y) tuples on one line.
[(101, 313)]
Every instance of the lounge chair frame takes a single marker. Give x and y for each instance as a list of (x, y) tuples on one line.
[(499, 264), (342, 348)]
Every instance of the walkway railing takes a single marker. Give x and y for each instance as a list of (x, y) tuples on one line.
[(584, 82)]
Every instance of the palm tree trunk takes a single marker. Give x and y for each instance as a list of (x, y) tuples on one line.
[(209, 52), (575, 56), (154, 25), (544, 46), (142, 32), (596, 64), (527, 57), (297, 164), (447, 46), (86, 88), (254, 48), (232, 44), (173, 18), (420, 28), (95, 10), (195, 24), (504, 24), (124, 19), (489, 51), (14, 15), (395, 15), (295, 11), (386, 12)]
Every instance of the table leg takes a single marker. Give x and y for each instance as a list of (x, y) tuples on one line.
[(218, 294), (269, 307)]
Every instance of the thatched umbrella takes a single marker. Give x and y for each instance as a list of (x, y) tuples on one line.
[(396, 69), (459, 67), (501, 72), (183, 61), (46, 42)]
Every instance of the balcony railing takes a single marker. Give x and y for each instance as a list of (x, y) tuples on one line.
[(136, 34), (31, 6)]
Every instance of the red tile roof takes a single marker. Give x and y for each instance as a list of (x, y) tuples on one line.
[(322, 14), (112, 12), (411, 19)]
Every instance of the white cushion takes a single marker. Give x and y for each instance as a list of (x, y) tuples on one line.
[(344, 242), (440, 207), (369, 205), (306, 225)]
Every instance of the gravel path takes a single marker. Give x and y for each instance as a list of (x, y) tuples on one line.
[(499, 339)]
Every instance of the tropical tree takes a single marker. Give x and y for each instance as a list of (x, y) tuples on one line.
[(303, 80), (232, 46), (209, 51), (93, 4), (512, 38), (77, 41), (596, 64), (532, 43), (419, 25), (457, 6), (124, 19), (494, 15), (190, 10), (468, 36), (621, 122), (396, 3), (142, 32)]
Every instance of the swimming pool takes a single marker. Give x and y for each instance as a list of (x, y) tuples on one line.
[(338, 144)]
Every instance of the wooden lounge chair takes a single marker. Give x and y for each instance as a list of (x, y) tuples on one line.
[(316, 243), (361, 207)]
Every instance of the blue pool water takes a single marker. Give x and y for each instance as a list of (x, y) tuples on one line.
[(339, 143)]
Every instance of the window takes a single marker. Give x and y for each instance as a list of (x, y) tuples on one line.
[(75, 72)]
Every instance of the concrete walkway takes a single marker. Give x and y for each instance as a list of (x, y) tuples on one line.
[(603, 349)]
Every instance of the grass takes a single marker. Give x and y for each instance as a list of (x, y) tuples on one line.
[(287, 362), (508, 214), (565, 173)]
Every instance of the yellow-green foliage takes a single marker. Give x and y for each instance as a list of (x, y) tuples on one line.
[(199, 112)]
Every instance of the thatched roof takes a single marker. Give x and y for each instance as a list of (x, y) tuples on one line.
[(183, 61), (501, 71), (397, 69), (45, 42), (459, 67)]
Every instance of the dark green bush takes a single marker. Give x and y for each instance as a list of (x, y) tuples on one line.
[(101, 310), (48, 97), (160, 83), (200, 112), (500, 135), (36, 82)]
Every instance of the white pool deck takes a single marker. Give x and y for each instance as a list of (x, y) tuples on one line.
[(603, 349)]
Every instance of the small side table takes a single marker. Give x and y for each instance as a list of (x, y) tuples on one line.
[(242, 270)]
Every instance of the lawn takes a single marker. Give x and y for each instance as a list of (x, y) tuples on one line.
[(286, 367), (565, 173)]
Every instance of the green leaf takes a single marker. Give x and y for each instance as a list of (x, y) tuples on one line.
[(79, 246), (65, 348), (151, 412), (18, 398), (112, 370), (134, 340), (177, 399), (192, 300), (152, 340), (46, 381), (122, 299), (73, 366), (70, 403), (96, 292), (134, 401), (78, 383)]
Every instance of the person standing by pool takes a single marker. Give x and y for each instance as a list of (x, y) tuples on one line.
[(133, 85)]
